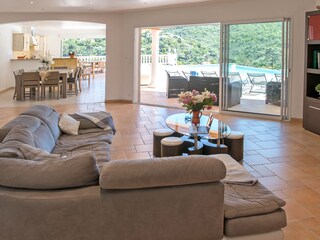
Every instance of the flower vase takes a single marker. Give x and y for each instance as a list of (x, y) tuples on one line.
[(196, 115)]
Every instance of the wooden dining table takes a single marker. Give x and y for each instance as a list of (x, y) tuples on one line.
[(64, 75)]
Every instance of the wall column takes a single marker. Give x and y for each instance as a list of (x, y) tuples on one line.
[(155, 56)]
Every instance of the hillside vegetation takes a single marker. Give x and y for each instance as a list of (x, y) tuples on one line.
[(254, 45)]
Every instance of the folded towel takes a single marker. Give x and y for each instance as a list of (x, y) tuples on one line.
[(236, 173), (101, 119)]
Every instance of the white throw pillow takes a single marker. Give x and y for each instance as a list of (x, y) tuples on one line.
[(68, 124)]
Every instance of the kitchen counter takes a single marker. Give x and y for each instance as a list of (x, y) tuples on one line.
[(26, 64), (25, 59)]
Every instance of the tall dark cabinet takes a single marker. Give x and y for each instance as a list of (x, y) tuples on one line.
[(311, 107)]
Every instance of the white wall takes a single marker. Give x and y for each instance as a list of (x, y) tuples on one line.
[(54, 37), (6, 75), (120, 34)]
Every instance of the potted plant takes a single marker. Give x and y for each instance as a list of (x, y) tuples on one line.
[(195, 101), (46, 62), (71, 54)]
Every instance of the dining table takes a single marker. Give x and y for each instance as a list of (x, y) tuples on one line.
[(63, 73)]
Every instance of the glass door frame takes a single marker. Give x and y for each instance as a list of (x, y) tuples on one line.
[(285, 71)]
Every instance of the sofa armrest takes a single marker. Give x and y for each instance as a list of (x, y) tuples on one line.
[(158, 172)]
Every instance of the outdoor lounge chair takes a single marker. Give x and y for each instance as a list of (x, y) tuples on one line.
[(257, 80), (176, 84), (235, 76), (278, 77), (186, 74), (209, 74)]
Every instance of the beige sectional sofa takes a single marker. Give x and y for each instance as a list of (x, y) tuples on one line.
[(58, 186)]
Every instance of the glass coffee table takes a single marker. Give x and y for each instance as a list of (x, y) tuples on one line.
[(210, 136)]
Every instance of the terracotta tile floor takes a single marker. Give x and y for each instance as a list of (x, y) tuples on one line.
[(284, 156)]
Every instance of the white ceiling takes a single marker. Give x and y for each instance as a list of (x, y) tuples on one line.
[(65, 25), (34, 6)]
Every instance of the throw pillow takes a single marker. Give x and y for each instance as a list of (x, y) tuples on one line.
[(68, 124), (58, 173)]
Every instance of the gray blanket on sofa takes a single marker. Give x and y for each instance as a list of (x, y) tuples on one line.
[(101, 119)]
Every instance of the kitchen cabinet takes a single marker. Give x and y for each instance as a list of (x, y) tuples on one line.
[(21, 42)]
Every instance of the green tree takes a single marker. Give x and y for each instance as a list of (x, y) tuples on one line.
[(84, 46), (253, 45)]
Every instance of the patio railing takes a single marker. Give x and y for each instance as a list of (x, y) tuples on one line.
[(169, 59), (91, 58)]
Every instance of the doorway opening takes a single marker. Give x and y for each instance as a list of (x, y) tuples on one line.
[(174, 58), (47, 38)]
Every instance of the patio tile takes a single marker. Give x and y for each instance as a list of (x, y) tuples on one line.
[(263, 171), (133, 156), (295, 211), (286, 172), (304, 196), (255, 160), (144, 148), (296, 230), (274, 183)]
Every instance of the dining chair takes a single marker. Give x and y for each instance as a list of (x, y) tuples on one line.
[(209, 73), (30, 80), (17, 75), (257, 79), (74, 81), (86, 72), (52, 80)]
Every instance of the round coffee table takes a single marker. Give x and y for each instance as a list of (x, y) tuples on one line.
[(181, 123)]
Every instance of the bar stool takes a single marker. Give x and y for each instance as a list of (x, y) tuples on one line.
[(158, 135), (235, 144), (171, 146)]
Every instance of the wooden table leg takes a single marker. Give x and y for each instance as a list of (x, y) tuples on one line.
[(64, 84)]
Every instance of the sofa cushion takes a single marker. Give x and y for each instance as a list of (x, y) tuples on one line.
[(93, 140), (39, 132), (69, 125), (57, 173), (158, 172), (101, 150), (48, 115), (243, 201), (256, 224), (28, 121), (36, 154), (18, 135)]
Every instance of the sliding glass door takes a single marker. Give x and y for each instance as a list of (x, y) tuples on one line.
[(255, 67)]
